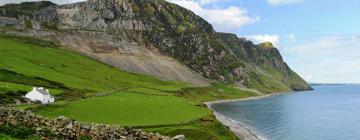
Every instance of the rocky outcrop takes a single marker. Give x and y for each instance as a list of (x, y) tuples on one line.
[(8, 21), (63, 128), (161, 39), (266, 61), (82, 27)]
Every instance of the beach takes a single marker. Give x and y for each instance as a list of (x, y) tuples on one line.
[(238, 128)]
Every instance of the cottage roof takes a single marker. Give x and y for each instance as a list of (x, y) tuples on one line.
[(42, 90)]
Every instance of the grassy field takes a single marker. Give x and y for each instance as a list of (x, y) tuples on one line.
[(90, 91), (130, 109)]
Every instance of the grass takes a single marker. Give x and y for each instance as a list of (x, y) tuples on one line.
[(216, 92), (109, 95), (130, 109), (200, 130), (7, 86), (19, 131), (71, 69), (6, 137), (10, 76)]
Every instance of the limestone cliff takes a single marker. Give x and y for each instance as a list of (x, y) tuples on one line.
[(157, 38)]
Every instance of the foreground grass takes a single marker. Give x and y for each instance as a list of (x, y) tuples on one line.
[(199, 130), (6, 137), (109, 95)]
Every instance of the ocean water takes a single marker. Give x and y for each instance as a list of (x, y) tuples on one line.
[(330, 112)]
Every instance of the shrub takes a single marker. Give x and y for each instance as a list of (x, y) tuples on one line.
[(170, 19), (180, 29), (52, 25), (7, 97), (18, 131), (28, 24), (135, 8), (84, 138), (149, 10)]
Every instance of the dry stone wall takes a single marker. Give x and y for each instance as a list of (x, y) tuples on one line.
[(67, 129)]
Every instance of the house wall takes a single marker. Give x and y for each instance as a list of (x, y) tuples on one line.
[(34, 96), (37, 96)]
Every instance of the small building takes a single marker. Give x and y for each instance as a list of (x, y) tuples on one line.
[(40, 94)]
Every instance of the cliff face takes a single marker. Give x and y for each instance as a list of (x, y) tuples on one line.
[(266, 61), (156, 38)]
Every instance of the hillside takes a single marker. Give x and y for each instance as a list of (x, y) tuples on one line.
[(85, 88), (154, 38)]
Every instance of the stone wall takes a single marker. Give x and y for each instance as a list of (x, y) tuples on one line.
[(63, 128)]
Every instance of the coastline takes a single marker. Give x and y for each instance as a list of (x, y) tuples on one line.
[(239, 129)]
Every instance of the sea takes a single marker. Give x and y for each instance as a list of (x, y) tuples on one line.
[(329, 112)]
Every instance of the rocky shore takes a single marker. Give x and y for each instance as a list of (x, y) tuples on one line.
[(240, 130)]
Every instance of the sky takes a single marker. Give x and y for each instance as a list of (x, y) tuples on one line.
[(319, 39)]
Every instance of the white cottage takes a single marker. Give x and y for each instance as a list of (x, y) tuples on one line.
[(40, 94)]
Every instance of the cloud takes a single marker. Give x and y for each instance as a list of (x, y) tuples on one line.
[(274, 39), (292, 38), (223, 19), (203, 2), (330, 59), (329, 45), (283, 2)]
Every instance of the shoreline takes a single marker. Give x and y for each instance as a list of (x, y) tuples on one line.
[(238, 128)]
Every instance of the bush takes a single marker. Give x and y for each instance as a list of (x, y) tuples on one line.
[(19, 131), (7, 97), (84, 138), (186, 26), (51, 26), (28, 24), (180, 29), (170, 19), (149, 11), (135, 8)]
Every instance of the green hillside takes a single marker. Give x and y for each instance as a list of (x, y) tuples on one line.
[(70, 69), (89, 91)]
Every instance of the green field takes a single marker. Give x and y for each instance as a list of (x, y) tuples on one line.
[(90, 91), (131, 109)]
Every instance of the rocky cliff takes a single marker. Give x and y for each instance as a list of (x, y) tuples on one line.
[(156, 38)]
